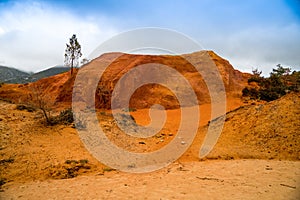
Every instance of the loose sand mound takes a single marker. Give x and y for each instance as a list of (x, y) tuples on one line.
[(264, 131)]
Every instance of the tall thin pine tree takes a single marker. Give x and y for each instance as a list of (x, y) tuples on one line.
[(72, 53)]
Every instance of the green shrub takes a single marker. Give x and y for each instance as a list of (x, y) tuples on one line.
[(9, 160), (2, 181), (253, 93), (84, 161), (129, 109), (268, 95), (108, 169), (25, 107), (254, 79), (80, 122), (70, 169), (6, 100), (71, 161), (278, 84), (65, 117)]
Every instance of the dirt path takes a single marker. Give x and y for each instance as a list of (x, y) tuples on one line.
[(234, 179)]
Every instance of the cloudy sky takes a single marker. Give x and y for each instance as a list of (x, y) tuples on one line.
[(248, 33)]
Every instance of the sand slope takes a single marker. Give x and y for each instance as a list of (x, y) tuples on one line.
[(238, 179)]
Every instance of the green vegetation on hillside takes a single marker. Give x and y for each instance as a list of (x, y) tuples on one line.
[(11, 75), (280, 82)]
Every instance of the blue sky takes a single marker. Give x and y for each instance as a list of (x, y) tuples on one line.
[(249, 33)]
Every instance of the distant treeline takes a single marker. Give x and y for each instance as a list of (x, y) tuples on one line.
[(281, 81)]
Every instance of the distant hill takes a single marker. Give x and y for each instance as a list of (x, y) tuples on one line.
[(49, 72), (12, 75)]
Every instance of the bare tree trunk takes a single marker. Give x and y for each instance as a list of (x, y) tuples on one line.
[(41, 101), (46, 116), (72, 67)]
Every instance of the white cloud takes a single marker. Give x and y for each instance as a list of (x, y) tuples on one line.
[(260, 47), (2, 31), (33, 34)]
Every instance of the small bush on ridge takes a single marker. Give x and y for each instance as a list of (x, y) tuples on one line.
[(280, 82)]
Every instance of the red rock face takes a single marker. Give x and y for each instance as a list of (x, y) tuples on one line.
[(147, 95)]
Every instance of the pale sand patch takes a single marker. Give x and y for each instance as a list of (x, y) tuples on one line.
[(234, 179)]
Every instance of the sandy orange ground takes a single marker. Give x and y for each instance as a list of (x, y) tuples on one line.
[(256, 157), (142, 116), (235, 179)]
